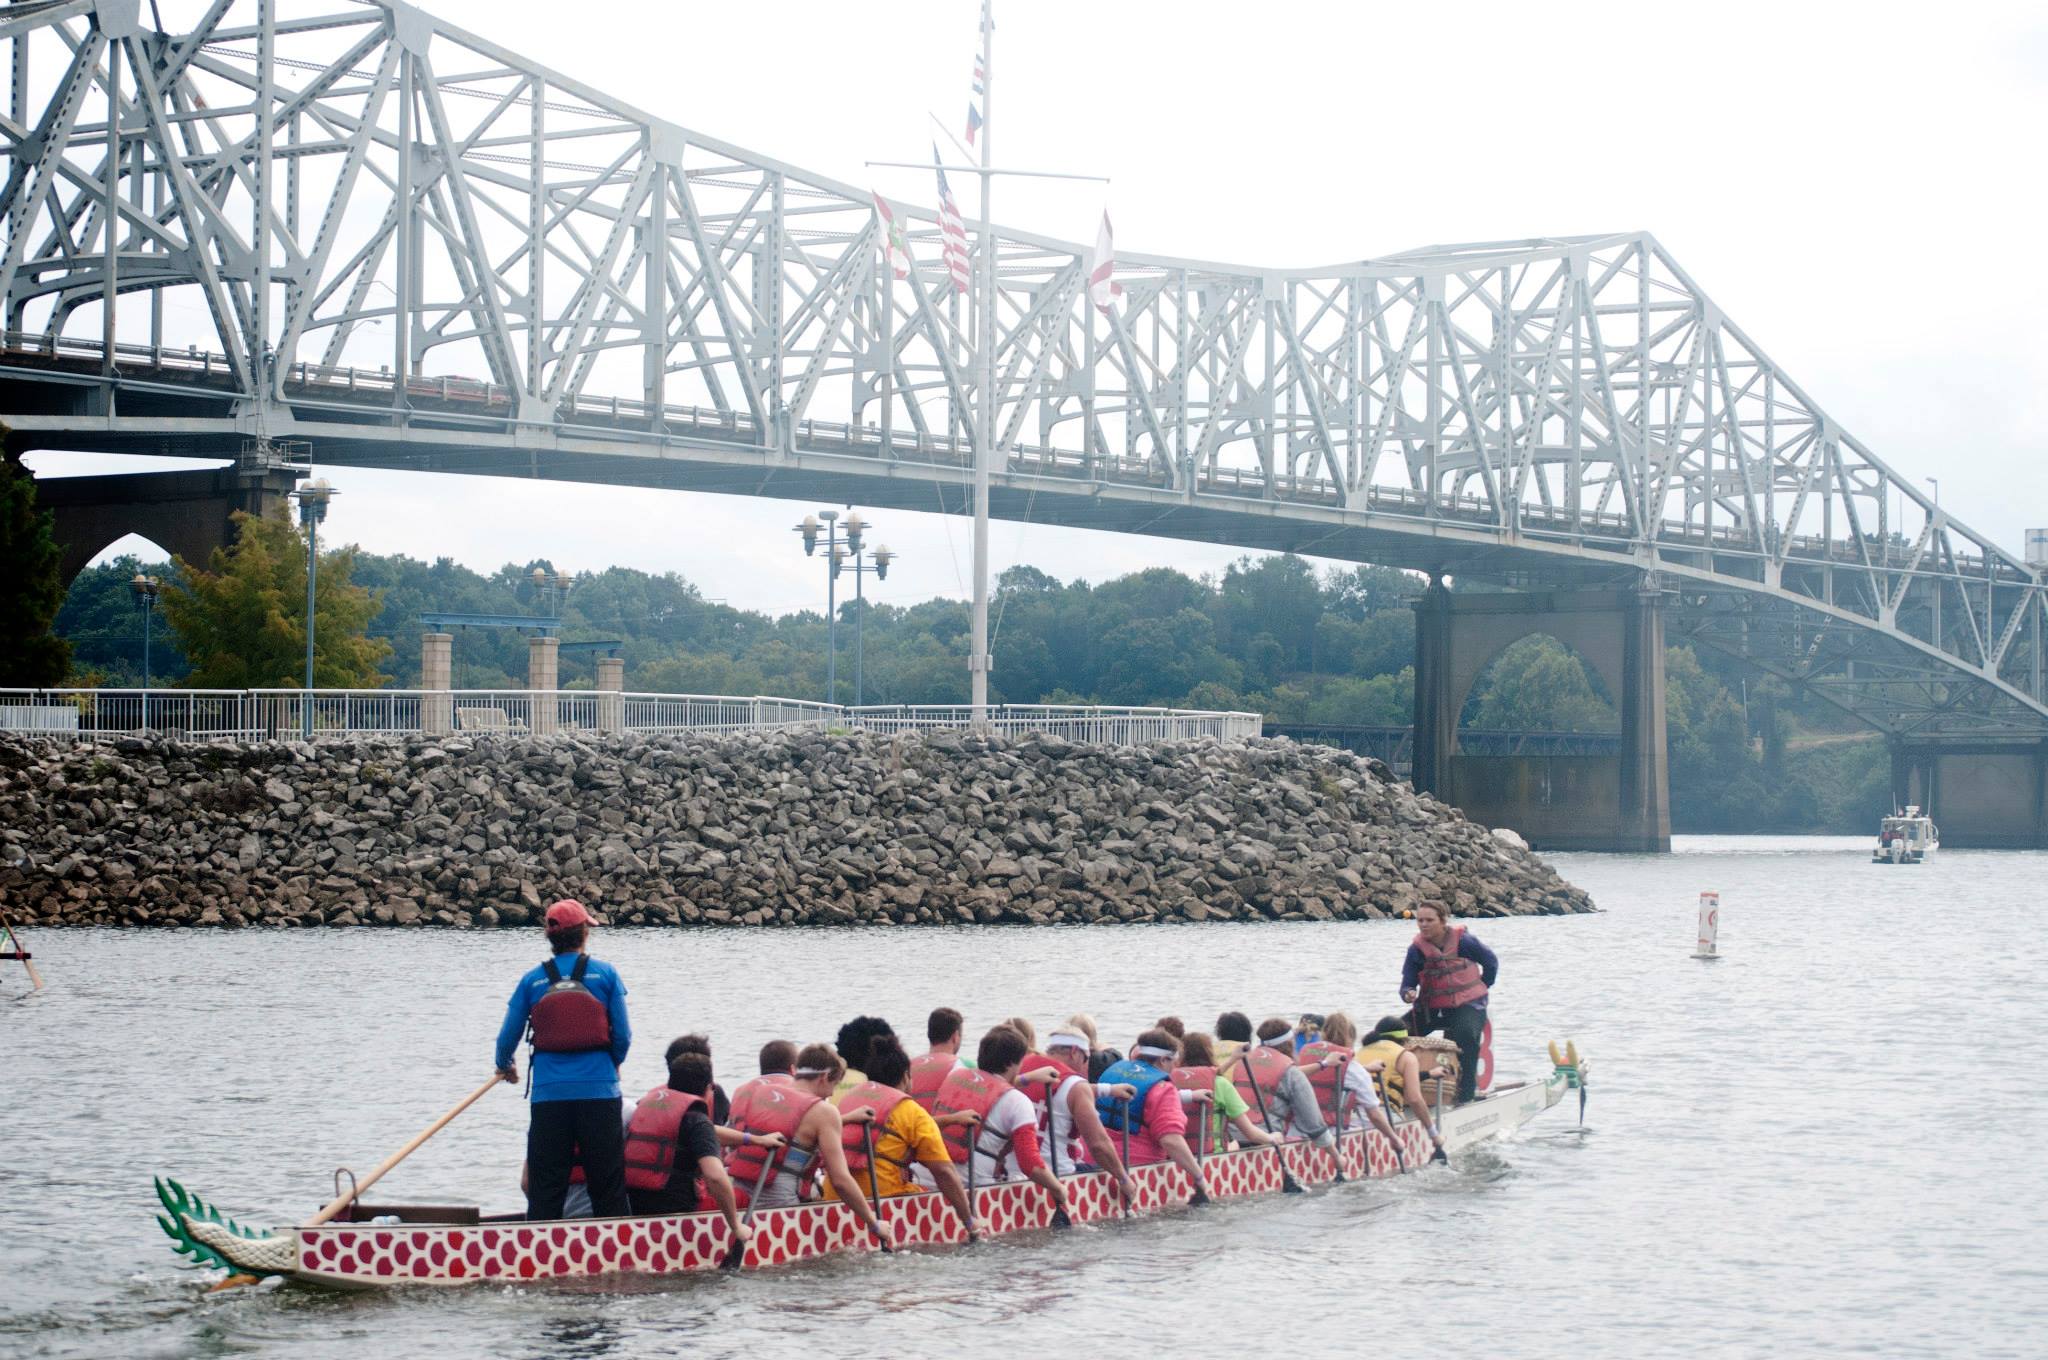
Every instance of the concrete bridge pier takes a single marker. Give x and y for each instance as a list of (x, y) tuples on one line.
[(188, 514), (1557, 802), (1984, 794)]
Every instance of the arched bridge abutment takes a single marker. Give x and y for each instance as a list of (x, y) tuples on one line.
[(1984, 794), (1556, 802), (188, 514)]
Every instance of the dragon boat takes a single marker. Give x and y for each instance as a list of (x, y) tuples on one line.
[(393, 1245)]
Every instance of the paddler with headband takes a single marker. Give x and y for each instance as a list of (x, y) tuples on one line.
[(1067, 1108), (1153, 1125)]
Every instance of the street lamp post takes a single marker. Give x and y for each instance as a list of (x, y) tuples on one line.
[(808, 527), (862, 563), (146, 589), (312, 498), (553, 588)]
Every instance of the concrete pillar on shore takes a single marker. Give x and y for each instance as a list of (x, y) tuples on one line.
[(1436, 709), (543, 677), (611, 683), (437, 674)]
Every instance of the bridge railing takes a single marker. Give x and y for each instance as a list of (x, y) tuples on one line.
[(286, 714)]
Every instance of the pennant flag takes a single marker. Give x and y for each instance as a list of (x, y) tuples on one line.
[(1102, 285), (952, 231), (893, 242), (974, 104)]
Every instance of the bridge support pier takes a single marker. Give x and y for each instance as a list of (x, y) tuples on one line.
[(188, 514), (1985, 794), (1556, 802)]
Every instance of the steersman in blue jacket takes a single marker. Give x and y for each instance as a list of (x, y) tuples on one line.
[(577, 1009)]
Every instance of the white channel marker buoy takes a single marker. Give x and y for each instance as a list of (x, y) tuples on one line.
[(1710, 927)]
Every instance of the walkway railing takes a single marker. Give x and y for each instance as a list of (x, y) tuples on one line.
[(1109, 726), (284, 714)]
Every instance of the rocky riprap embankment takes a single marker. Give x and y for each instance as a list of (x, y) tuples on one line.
[(783, 829)]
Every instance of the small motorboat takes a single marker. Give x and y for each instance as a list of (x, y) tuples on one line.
[(1907, 837)]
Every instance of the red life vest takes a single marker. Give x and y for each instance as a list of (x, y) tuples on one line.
[(927, 1072), (1327, 1081), (651, 1137), (883, 1100), (1257, 1078), (966, 1089), (1449, 980), (1043, 1095), (1189, 1081), (569, 1018), (769, 1104)]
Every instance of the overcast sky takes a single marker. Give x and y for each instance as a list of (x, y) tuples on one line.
[(1859, 188)]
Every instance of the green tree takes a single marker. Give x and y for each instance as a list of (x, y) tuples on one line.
[(243, 621), (31, 585), (1538, 684), (103, 623)]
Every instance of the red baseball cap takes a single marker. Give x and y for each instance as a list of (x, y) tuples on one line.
[(566, 913)]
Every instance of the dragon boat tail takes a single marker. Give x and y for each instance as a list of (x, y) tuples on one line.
[(444, 1246)]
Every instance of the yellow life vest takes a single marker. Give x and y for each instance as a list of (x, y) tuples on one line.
[(1386, 1051)]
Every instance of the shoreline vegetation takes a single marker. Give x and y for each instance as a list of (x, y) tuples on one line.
[(784, 829)]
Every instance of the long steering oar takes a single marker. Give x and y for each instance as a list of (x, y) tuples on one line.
[(342, 1201), (737, 1252)]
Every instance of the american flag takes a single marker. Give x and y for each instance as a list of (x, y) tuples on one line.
[(1102, 285), (952, 231), (894, 244), (974, 104)]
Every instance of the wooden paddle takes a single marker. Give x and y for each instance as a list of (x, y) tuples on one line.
[(738, 1251), (867, 1137), (342, 1201), (20, 952), (1287, 1182)]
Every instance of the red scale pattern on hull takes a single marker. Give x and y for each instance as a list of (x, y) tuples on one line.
[(362, 1256)]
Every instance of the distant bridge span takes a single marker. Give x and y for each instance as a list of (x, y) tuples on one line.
[(306, 201)]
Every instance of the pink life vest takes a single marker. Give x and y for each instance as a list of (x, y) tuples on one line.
[(1449, 979), (651, 1137), (976, 1092), (927, 1071), (770, 1104)]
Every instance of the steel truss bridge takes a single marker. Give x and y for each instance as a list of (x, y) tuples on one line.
[(357, 229)]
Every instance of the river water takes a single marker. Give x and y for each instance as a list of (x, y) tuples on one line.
[(1826, 1143)]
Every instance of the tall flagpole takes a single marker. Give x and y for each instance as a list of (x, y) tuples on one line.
[(984, 414)]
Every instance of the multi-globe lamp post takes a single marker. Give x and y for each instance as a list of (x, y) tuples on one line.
[(860, 564), (312, 497), (552, 589), (147, 589), (839, 553)]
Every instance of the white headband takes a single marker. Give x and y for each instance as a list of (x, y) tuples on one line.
[(810, 1071), (1149, 1051), (1067, 1039), (1281, 1040)]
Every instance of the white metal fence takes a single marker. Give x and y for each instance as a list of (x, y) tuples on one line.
[(283, 714), (1076, 722)]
